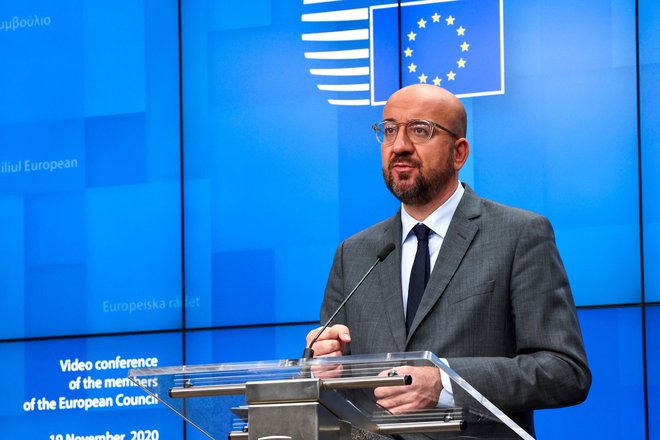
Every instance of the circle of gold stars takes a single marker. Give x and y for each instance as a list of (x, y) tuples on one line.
[(460, 63)]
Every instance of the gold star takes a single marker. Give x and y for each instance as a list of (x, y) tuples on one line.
[(411, 36), (408, 52), (450, 20), (460, 31), (412, 68), (421, 23), (437, 81), (436, 18), (461, 63), (465, 47), (451, 76), (422, 78)]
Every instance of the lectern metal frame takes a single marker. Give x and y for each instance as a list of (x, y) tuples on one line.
[(318, 399)]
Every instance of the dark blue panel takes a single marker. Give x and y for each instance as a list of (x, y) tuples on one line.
[(39, 374), (55, 228), (115, 150), (244, 287), (55, 301), (612, 338)]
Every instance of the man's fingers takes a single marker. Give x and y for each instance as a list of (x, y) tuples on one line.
[(394, 402), (343, 333), (387, 392), (328, 347), (422, 393), (338, 331), (331, 342)]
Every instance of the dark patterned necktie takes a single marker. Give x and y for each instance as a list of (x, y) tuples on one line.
[(421, 271)]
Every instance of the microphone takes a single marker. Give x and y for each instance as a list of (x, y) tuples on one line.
[(308, 353)]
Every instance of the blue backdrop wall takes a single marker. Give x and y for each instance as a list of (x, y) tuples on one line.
[(164, 164)]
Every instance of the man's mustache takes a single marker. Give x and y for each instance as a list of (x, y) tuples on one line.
[(403, 160)]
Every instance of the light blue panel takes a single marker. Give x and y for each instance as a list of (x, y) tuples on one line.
[(597, 277), (67, 57), (194, 60), (363, 197), (55, 299), (39, 371), (613, 340), (198, 279), (42, 156), (289, 181), (653, 369), (267, 176), (562, 140), (54, 262), (12, 265), (54, 229), (41, 48), (649, 52), (161, 88), (237, 14), (307, 279), (246, 344), (114, 56), (649, 27), (134, 257)]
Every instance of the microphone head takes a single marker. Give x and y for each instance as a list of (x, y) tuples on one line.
[(384, 252)]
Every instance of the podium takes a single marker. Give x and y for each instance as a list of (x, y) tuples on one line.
[(319, 399)]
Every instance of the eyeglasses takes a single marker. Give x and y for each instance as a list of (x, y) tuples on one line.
[(418, 130)]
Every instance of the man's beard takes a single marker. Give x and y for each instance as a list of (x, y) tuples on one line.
[(425, 187)]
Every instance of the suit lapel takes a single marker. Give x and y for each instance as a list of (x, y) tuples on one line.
[(390, 283), (460, 234)]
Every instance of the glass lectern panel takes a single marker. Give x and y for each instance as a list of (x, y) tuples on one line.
[(329, 396)]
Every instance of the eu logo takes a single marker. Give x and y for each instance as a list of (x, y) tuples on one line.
[(455, 44)]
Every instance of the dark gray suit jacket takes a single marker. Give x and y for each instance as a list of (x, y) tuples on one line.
[(498, 306)]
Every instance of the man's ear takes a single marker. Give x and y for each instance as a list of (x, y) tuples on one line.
[(461, 152)]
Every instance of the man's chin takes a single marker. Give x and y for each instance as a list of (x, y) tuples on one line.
[(406, 193)]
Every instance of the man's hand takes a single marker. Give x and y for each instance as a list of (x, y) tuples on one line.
[(332, 341), (421, 394)]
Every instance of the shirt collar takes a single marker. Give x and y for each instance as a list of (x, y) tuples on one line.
[(439, 219)]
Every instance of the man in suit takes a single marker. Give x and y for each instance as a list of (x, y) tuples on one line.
[(496, 305)]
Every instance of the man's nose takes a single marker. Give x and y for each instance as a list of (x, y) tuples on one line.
[(402, 143)]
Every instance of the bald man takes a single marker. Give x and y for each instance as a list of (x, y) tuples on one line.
[(496, 305)]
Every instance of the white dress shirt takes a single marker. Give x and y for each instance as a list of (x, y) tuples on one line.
[(438, 222)]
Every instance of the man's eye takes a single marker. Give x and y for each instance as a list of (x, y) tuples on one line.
[(420, 130), (390, 130)]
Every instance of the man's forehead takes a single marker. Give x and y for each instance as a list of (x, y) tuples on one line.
[(403, 113)]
